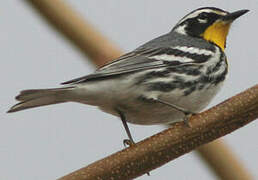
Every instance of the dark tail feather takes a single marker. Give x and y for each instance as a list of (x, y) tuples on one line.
[(39, 97)]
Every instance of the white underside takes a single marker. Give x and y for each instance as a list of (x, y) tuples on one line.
[(108, 97)]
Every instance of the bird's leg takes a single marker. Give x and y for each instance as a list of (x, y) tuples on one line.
[(130, 141), (187, 113)]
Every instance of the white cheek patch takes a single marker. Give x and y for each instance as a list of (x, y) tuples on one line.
[(181, 29)]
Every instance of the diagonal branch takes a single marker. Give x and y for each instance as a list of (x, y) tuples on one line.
[(175, 141), (225, 164), (99, 49), (77, 30)]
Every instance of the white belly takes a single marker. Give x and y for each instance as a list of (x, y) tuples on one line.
[(148, 113), (126, 99)]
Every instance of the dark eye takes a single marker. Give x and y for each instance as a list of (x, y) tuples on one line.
[(203, 15)]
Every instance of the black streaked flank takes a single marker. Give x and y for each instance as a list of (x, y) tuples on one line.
[(189, 90), (161, 86), (179, 82), (152, 75), (216, 67), (186, 69), (201, 86), (220, 77), (172, 63)]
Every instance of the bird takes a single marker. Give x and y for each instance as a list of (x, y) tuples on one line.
[(163, 81)]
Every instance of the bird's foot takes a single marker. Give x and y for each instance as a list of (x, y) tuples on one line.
[(187, 117), (128, 142)]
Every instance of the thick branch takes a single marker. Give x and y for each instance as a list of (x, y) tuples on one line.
[(175, 141)]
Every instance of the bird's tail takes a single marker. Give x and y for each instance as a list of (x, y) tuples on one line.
[(40, 97)]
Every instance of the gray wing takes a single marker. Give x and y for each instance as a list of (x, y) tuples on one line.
[(139, 59), (130, 62)]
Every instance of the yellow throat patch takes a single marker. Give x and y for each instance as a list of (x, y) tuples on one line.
[(217, 33)]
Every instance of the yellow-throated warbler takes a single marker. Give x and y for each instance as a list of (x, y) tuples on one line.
[(162, 81)]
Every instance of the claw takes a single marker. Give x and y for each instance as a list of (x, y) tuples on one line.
[(187, 117), (128, 142)]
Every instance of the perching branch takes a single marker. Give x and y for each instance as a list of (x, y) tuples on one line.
[(100, 50), (163, 147)]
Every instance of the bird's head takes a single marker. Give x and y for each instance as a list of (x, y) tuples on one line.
[(209, 23)]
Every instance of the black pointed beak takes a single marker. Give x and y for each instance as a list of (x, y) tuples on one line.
[(234, 15)]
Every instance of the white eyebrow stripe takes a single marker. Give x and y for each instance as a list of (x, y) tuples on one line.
[(196, 13)]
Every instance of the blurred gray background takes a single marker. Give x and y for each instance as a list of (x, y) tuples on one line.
[(49, 142)]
